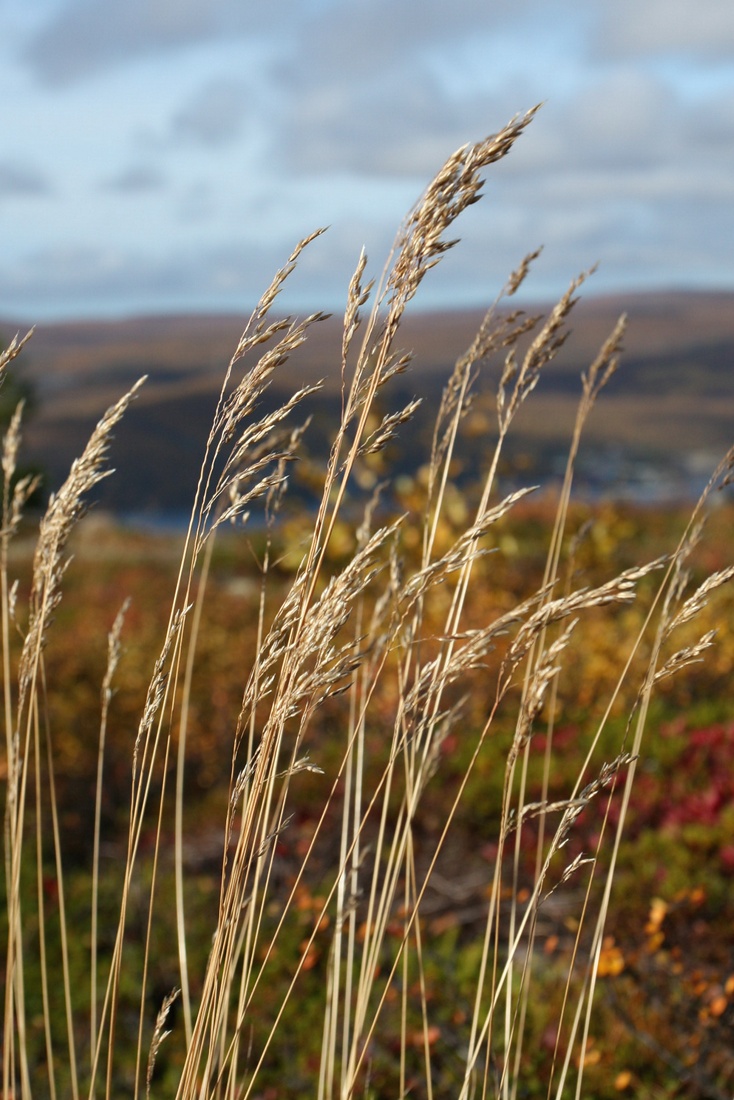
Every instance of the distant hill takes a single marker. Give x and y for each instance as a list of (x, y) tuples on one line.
[(671, 406)]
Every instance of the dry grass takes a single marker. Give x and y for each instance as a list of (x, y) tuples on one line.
[(366, 631)]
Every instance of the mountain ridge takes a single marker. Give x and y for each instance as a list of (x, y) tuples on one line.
[(672, 398)]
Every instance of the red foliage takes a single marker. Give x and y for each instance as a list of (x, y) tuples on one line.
[(695, 789)]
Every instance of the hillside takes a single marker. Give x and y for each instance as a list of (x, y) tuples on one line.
[(668, 413)]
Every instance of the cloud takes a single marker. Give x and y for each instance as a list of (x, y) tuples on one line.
[(379, 88), (390, 130), (281, 117), (214, 116), (136, 180), (96, 280), (361, 39), (634, 131), (197, 203), (692, 28), (400, 128), (21, 181), (88, 36), (619, 120), (352, 104), (355, 37)]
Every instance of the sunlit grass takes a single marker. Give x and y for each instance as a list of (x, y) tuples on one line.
[(398, 833)]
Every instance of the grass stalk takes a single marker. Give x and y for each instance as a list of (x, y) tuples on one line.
[(370, 667)]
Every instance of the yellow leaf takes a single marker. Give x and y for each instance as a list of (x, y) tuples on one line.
[(611, 960), (658, 911)]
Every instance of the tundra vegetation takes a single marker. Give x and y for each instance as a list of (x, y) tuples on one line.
[(425, 789)]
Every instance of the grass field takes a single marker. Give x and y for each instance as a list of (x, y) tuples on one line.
[(416, 790)]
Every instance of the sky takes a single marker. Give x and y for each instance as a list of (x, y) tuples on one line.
[(164, 156)]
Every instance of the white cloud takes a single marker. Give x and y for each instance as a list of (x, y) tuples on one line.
[(691, 28), (90, 279), (214, 116), (85, 37), (385, 89), (251, 123), (135, 180), (392, 129), (19, 180), (356, 40), (69, 279)]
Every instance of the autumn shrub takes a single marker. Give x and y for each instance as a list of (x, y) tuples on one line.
[(408, 887)]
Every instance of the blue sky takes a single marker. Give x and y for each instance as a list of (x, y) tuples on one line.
[(166, 155)]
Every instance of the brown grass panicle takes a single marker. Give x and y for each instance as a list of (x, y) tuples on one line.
[(384, 625)]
